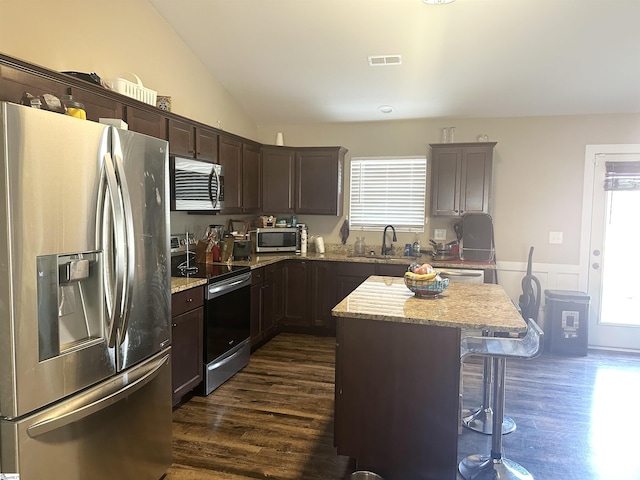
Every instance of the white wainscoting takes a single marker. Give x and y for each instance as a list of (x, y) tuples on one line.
[(551, 277)]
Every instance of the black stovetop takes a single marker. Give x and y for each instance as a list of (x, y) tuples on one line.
[(210, 271)]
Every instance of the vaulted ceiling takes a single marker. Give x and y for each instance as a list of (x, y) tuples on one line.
[(306, 61)]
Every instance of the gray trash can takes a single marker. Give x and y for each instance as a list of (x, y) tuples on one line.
[(566, 321)]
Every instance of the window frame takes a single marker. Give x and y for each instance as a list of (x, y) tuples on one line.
[(414, 211)]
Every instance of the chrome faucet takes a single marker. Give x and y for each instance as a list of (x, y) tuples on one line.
[(385, 249)]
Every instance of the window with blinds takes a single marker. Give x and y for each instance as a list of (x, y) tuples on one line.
[(388, 191), (622, 176)]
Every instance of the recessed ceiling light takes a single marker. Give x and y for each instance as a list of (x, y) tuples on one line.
[(385, 109), (437, 2)]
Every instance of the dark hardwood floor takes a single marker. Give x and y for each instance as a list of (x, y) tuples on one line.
[(575, 417)]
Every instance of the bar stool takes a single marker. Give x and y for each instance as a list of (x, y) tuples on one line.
[(498, 349), (481, 419)]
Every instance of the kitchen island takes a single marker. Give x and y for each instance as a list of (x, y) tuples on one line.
[(398, 373)]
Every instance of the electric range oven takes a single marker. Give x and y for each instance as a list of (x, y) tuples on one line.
[(227, 346)]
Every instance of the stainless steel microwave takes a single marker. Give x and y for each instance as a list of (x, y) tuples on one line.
[(196, 185), (270, 240)]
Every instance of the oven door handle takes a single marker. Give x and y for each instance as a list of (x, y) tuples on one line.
[(216, 290), (224, 361)]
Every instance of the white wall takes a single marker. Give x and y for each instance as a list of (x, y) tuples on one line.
[(538, 161), (537, 174)]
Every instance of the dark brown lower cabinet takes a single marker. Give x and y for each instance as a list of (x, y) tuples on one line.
[(323, 294), (396, 398), (267, 297), (314, 287), (187, 315), (352, 274), (310, 294), (295, 295)]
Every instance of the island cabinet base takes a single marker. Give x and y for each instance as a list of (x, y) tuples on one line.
[(396, 406)]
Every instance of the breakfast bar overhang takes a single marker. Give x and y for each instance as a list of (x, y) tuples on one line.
[(398, 373)]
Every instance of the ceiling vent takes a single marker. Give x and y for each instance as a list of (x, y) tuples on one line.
[(384, 60)]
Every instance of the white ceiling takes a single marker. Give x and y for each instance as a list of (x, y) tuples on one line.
[(305, 61)]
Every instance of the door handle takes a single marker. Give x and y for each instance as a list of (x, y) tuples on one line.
[(127, 226), (111, 235), (146, 375)]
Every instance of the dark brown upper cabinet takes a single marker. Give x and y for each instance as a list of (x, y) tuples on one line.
[(320, 180), (14, 82), (251, 182), (97, 106), (258, 178), (241, 169), (461, 178), (278, 181), (206, 144), (145, 121), (192, 141), (306, 180)]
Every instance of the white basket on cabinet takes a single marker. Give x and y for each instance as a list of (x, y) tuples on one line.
[(134, 90)]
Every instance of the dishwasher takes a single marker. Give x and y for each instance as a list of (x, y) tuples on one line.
[(463, 275)]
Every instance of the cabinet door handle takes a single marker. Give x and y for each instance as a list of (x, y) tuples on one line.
[(174, 325)]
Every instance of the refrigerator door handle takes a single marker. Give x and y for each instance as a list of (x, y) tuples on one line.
[(127, 221), (104, 400), (111, 236)]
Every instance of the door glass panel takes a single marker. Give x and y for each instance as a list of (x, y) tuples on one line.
[(620, 267)]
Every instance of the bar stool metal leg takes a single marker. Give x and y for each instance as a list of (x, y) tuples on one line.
[(494, 466), (481, 419)]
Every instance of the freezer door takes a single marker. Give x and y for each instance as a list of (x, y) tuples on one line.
[(120, 428), (142, 164), (52, 337)]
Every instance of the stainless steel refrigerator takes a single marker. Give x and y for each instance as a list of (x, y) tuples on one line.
[(85, 379)]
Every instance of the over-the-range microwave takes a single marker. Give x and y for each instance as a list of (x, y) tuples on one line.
[(196, 185)]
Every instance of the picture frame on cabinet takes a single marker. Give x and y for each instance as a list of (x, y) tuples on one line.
[(163, 102)]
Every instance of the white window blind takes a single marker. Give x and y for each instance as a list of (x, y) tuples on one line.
[(388, 191)]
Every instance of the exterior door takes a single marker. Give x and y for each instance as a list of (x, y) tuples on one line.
[(613, 282)]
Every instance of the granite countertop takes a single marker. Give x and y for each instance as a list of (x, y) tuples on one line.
[(470, 306), (261, 260), (178, 284)]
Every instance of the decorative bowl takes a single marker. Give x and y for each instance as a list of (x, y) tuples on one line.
[(429, 288)]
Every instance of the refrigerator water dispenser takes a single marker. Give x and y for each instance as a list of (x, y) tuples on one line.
[(70, 293)]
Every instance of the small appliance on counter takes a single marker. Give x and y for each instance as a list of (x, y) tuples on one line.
[(274, 240), (242, 249), (477, 243)]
